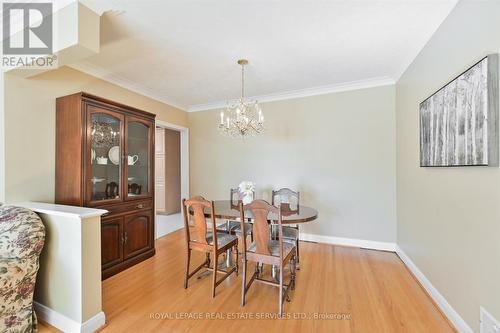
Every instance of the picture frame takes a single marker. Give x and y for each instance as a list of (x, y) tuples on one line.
[(459, 122)]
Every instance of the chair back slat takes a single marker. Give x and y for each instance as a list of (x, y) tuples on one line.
[(287, 198), (200, 223), (236, 197), (260, 210), (261, 231), (197, 205)]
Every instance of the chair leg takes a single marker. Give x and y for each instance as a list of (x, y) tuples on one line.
[(293, 267), (207, 260), (188, 260), (297, 247), (244, 282), (214, 275), (237, 259), (280, 302)]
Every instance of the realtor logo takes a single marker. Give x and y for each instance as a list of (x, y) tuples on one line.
[(36, 35), (27, 41)]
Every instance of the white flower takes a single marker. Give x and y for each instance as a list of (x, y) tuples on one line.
[(246, 187)]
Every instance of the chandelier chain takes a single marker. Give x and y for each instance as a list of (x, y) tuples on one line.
[(242, 82)]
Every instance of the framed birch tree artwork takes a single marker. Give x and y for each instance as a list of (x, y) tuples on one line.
[(459, 122)]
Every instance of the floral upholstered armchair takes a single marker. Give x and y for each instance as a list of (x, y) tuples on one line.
[(22, 237)]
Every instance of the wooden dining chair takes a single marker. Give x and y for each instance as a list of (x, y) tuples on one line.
[(212, 243), (266, 250), (289, 200), (233, 226)]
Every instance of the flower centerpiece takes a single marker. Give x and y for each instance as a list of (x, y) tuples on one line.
[(246, 189)]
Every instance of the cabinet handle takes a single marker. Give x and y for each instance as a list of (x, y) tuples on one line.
[(123, 239), (140, 206), (126, 238)]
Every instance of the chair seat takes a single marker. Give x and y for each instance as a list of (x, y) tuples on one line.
[(274, 248), (290, 233), (222, 239), (234, 226)]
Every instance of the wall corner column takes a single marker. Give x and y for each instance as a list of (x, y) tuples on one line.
[(68, 292), (2, 136)]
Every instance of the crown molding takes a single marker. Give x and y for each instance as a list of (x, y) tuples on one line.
[(291, 94), (104, 74)]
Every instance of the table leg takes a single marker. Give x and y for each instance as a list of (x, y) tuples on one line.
[(229, 258), (275, 272)]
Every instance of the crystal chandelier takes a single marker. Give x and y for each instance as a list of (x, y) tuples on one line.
[(243, 118)]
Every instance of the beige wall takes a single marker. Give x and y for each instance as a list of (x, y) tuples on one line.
[(30, 126), (449, 218), (338, 150)]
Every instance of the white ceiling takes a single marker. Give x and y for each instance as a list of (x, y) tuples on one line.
[(184, 52)]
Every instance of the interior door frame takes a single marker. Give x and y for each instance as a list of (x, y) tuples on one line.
[(184, 139)]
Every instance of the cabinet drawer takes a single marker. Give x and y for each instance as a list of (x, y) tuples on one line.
[(128, 207)]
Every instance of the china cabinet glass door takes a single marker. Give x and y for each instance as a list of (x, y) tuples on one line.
[(138, 158), (104, 155)]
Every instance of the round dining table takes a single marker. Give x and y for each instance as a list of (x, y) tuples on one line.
[(227, 210)]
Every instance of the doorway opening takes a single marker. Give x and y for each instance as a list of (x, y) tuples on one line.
[(171, 176)]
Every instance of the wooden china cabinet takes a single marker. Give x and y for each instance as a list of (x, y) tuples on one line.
[(105, 159)]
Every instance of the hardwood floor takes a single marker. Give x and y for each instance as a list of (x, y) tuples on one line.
[(356, 290)]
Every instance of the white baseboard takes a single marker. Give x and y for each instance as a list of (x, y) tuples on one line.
[(66, 324), (488, 323), (167, 231), (366, 244), (94, 323), (166, 224), (439, 299)]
